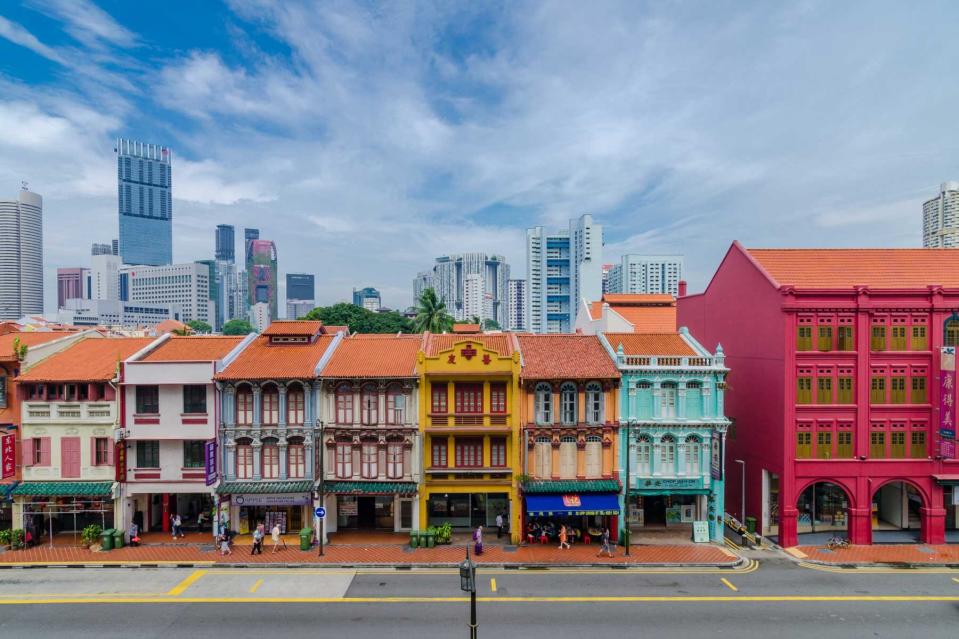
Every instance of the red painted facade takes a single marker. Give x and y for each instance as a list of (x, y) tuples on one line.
[(757, 319)]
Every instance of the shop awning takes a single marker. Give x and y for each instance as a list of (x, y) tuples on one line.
[(947, 480), (549, 505), (265, 487), (571, 486), (369, 488), (63, 489), (5, 490)]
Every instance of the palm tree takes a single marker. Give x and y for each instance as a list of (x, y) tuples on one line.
[(431, 314)]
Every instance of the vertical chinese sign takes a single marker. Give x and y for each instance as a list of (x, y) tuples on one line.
[(209, 454), (8, 456), (947, 402), (120, 462)]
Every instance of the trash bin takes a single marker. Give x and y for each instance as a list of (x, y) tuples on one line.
[(118, 538), (306, 538), (430, 539), (106, 539), (414, 538), (751, 524)]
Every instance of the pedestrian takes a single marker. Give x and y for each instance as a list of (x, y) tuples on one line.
[(258, 535), (478, 540), (562, 538), (134, 534), (225, 545), (277, 537), (177, 526), (606, 547), (499, 525)]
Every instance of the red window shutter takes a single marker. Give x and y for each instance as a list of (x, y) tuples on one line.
[(26, 451), (70, 457), (110, 447), (93, 451), (44, 451)]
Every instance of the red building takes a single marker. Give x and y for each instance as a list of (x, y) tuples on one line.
[(835, 389)]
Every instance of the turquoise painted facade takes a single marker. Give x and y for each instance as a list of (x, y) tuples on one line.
[(672, 413)]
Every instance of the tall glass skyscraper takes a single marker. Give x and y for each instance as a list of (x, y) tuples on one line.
[(225, 244), (21, 256), (144, 185)]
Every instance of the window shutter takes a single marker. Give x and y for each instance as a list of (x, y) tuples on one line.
[(93, 451), (110, 447), (44, 451), (26, 453)]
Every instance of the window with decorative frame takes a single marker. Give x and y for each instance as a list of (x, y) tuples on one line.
[(438, 453), (920, 339), (803, 444), (497, 452), (877, 390), (877, 444), (644, 455), (567, 402), (824, 390), (270, 460), (804, 337), (296, 461), (824, 341), (394, 460), (667, 455), (438, 398), (917, 447), (877, 341), (469, 398), (804, 389), (395, 405), (344, 460), (898, 330), (344, 404), (244, 405), (667, 401), (544, 403), (497, 397), (244, 461), (824, 443), (693, 454), (369, 460), (469, 452), (951, 333), (897, 386), (844, 449), (897, 441), (845, 335), (567, 457), (594, 457), (369, 404), (270, 405), (295, 405), (844, 385), (918, 383), (594, 403), (543, 449)]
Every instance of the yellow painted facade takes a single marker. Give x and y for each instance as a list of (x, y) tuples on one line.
[(466, 365)]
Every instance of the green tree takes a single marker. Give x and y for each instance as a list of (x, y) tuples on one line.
[(199, 326), (237, 327), (360, 320), (431, 314), (490, 325)]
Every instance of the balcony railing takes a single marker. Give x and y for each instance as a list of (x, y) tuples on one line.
[(70, 411), (670, 362), (444, 420)]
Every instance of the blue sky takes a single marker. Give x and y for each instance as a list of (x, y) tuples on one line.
[(367, 138)]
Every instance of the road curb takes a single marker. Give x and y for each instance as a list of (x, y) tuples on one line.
[(903, 565)]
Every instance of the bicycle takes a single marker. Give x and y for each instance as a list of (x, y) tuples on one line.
[(837, 542)]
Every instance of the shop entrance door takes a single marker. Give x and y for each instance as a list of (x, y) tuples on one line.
[(654, 510), (366, 513)]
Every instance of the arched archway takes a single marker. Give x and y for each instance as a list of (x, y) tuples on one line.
[(823, 507), (896, 516)]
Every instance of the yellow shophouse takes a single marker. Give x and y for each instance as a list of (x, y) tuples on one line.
[(470, 417)]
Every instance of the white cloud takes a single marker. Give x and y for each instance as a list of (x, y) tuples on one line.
[(206, 182), (18, 35), (88, 23)]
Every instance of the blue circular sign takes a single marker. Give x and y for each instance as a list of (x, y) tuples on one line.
[(320, 512)]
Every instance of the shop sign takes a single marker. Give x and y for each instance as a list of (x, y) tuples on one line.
[(209, 455), (700, 532), (947, 402), (8, 456), (120, 462), (348, 507), (947, 448), (716, 457), (572, 501), (297, 499), (671, 483)]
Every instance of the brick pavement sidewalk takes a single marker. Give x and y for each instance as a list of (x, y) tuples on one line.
[(920, 554), (378, 555)]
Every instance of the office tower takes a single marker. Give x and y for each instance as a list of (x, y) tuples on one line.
[(225, 243), (72, 283), (422, 281), (516, 320), (448, 279), (105, 277), (300, 295), (21, 255), (85, 312), (562, 268), (261, 274), (101, 249), (115, 246), (146, 203), (216, 296), (368, 298), (250, 234), (647, 274), (183, 286), (940, 218)]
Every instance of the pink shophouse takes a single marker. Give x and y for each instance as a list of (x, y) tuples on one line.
[(841, 395)]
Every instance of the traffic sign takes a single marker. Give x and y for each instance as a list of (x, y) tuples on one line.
[(320, 512)]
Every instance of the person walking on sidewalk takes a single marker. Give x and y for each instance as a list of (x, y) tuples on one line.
[(563, 543), (225, 549), (258, 540), (478, 539), (606, 547), (499, 525), (177, 526), (277, 537)]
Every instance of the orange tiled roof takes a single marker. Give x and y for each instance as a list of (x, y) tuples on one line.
[(845, 268), (170, 325), (499, 342), (263, 360), (30, 338), (651, 344), (656, 318), (93, 359), (566, 357), (374, 356), (467, 328), (333, 330), (294, 327), (193, 348), (638, 298)]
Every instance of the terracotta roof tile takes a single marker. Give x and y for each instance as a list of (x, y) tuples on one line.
[(845, 268), (93, 359), (374, 356), (294, 327), (193, 349), (467, 328), (170, 325), (565, 356), (651, 344), (638, 298), (263, 360), (498, 342), (30, 338), (653, 314)]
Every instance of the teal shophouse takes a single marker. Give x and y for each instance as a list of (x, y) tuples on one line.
[(672, 418)]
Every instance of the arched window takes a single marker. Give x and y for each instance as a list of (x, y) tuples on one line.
[(567, 401), (544, 457), (369, 404), (394, 460), (544, 404), (667, 400), (693, 452), (567, 457), (344, 404), (244, 459), (296, 458), (644, 455), (594, 403), (694, 400), (395, 405), (369, 456), (270, 459), (667, 455), (952, 332), (344, 460), (295, 406), (270, 405), (244, 405), (594, 456)]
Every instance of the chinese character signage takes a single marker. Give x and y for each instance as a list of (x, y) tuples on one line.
[(120, 462), (572, 501), (947, 402), (8, 457), (209, 454)]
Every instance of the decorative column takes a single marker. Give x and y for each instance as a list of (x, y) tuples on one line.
[(309, 404), (933, 522), (284, 472), (707, 401), (657, 400), (228, 404), (787, 525), (681, 401), (230, 459), (257, 406), (308, 451), (281, 422), (860, 525), (257, 460)]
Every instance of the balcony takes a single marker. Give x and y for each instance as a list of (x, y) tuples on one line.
[(447, 420), (670, 362), (58, 412)]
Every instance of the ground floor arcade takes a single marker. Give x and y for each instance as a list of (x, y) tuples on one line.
[(244, 505), (47, 509), (370, 506), (467, 505), (152, 506)]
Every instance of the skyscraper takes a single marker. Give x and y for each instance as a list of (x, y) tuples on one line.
[(422, 281), (516, 320), (562, 268), (940, 218), (105, 249), (646, 274), (21, 256), (368, 298), (300, 294), (262, 274), (71, 284), (144, 189), (225, 243), (449, 280)]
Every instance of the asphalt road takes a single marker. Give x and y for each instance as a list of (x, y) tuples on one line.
[(776, 598)]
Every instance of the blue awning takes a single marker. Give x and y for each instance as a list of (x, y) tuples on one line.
[(584, 504)]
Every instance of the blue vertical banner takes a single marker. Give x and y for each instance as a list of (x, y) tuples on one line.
[(209, 453)]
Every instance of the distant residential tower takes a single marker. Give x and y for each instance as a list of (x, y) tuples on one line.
[(144, 186)]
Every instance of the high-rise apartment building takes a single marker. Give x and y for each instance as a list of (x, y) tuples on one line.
[(105, 277), (646, 274), (225, 243), (940, 218), (230, 287), (21, 256), (261, 273), (561, 269), (516, 319), (72, 284), (186, 286), (368, 298), (449, 279), (422, 281), (300, 294), (145, 195)]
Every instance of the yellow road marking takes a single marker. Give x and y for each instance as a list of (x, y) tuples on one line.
[(256, 586), (795, 552), (729, 585), (878, 570), (492, 584), (186, 583)]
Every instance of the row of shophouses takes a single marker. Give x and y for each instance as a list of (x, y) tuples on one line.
[(387, 432), (834, 412)]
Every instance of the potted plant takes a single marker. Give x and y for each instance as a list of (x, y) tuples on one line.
[(17, 539), (6, 537), (90, 535), (444, 533)]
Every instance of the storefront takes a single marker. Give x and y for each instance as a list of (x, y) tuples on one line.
[(950, 502), (465, 511), (6, 506), (354, 505), (288, 504), (584, 515), (661, 504), (151, 506), (51, 508)]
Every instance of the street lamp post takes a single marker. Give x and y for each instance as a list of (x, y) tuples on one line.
[(742, 493), (629, 453), (468, 584), (322, 453)]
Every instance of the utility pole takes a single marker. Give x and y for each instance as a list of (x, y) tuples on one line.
[(742, 494), (629, 453), (468, 584), (322, 453)]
